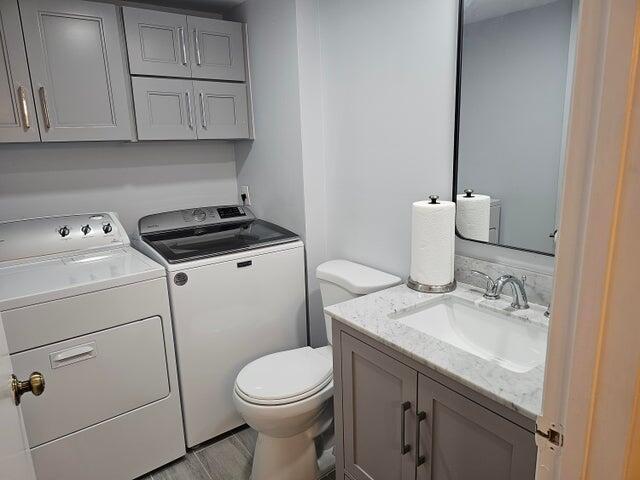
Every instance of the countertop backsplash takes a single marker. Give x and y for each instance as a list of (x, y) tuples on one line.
[(539, 285)]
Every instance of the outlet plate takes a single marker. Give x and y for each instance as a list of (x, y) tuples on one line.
[(244, 190)]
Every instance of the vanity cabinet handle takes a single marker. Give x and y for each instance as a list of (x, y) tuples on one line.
[(420, 459), (404, 447)]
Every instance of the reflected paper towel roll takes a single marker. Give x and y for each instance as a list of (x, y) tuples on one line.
[(473, 215), (432, 242)]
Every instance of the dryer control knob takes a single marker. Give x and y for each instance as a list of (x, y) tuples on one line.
[(85, 229), (107, 228), (63, 231)]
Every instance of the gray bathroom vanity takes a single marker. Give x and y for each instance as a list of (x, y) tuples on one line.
[(415, 405)]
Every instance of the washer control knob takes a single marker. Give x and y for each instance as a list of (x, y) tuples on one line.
[(64, 231), (107, 228), (85, 229), (199, 214)]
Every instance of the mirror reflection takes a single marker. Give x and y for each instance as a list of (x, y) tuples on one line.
[(513, 92)]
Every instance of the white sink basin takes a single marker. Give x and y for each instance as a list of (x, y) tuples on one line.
[(515, 344)]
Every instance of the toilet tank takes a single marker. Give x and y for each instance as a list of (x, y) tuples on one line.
[(342, 280)]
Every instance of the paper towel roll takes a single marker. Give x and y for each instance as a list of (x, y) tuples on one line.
[(473, 216), (432, 242)]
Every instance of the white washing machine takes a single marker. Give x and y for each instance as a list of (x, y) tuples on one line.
[(91, 314), (237, 289)]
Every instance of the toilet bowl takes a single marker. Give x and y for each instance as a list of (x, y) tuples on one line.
[(287, 396)]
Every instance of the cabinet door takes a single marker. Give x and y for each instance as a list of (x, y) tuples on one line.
[(18, 121), (157, 43), (378, 405), (217, 49), (461, 440), (77, 69), (164, 108), (222, 110)]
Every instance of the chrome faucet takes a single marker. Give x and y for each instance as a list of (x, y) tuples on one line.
[(494, 288)]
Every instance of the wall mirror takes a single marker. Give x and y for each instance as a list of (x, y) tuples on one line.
[(514, 79)]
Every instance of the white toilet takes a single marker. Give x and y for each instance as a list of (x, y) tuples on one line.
[(286, 396)]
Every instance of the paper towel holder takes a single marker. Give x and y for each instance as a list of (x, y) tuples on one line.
[(420, 287)]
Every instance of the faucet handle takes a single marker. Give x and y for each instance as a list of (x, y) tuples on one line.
[(490, 288)]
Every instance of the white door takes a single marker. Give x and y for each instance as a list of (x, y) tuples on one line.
[(15, 457)]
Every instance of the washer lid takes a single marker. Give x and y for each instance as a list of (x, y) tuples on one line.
[(292, 374), (356, 278)]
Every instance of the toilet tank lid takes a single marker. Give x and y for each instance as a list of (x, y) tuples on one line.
[(357, 279)]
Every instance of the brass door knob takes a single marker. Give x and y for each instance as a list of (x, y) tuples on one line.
[(35, 385)]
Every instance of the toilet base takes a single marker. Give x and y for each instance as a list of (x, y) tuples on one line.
[(291, 458)]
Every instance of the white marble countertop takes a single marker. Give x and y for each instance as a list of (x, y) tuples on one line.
[(372, 315)]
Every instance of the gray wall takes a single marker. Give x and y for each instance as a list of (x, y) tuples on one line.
[(514, 81), (133, 179), (271, 165), (388, 79)]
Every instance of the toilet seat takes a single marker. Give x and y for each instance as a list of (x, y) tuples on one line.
[(284, 377)]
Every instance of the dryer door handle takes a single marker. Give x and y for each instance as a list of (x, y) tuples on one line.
[(73, 355)]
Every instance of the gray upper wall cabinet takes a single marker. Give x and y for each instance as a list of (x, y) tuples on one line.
[(18, 122), (222, 110), (77, 70), (157, 43), (165, 108), (172, 45), (217, 49)]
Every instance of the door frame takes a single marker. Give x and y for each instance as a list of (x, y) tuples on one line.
[(599, 131)]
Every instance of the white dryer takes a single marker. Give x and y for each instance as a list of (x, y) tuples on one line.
[(237, 289), (91, 314)]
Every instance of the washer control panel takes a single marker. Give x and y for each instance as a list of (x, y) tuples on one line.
[(178, 219), (44, 236)]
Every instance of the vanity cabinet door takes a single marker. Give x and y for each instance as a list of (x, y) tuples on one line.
[(77, 70), (18, 121), (222, 110), (379, 406), (157, 43), (217, 49), (165, 108), (462, 440)]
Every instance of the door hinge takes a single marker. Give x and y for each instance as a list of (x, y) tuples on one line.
[(552, 434)]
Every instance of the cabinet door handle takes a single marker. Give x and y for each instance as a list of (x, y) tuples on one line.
[(404, 447), (196, 42), (420, 459), (22, 98), (204, 110), (45, 108), (183, 45), (189, 110)]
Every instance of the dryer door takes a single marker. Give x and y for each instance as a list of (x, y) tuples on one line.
[(93, 378)]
